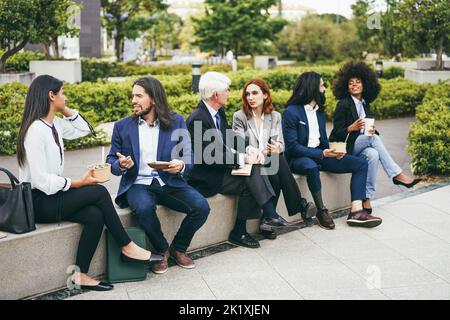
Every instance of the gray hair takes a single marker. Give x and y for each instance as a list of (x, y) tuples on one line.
[(212, 82)]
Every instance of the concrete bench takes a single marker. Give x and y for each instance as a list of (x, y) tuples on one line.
[(36, 262)]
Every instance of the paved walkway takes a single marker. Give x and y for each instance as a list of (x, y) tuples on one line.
[(393, 132), (407, 257)]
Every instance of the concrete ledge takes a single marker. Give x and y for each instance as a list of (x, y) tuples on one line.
[(22, 77), (427, 76), (64, 70), (36, 262)]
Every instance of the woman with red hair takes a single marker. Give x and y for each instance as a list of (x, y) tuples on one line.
[(260, 125)]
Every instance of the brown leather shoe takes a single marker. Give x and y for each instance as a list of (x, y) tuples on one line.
[(324, 219), (362, 218), (162, 266), (181, 258)]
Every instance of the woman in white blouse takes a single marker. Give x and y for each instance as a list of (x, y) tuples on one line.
[(260, 125), (40, 153)]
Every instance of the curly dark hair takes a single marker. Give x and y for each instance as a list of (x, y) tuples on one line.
[(360, 70)]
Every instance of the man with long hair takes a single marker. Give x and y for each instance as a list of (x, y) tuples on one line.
[(154, 133)]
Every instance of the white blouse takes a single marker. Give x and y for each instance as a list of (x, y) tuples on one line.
[(43, 164)]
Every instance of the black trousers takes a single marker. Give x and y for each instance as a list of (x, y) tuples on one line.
[(90, 206), (253, 191), (283, 180)]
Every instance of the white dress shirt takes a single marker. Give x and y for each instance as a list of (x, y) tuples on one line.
[(213, 112), (314, 133), (148, 148), (360, 109), (43, 165)]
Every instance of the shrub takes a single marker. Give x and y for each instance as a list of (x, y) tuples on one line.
[(12, 100), (21, 60), (393, 72), (429, 136)]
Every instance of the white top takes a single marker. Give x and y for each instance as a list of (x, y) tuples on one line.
[(260, 131), (148, 148), (43, 166), (314, 133), (360, 109)]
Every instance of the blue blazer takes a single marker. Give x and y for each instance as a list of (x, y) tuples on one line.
[(296, 133), (125, 139)]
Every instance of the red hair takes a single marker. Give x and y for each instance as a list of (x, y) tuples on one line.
[(267, 106)]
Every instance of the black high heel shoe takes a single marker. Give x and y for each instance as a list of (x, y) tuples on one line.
[(153, 259), (102, 286), (408, 185)]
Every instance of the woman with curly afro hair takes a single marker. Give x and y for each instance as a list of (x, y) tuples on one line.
[(356, 86)]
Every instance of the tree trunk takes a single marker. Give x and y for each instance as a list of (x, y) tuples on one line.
[(46, 48), (439, 52), (118, 43), (55, 47), (10, 53)]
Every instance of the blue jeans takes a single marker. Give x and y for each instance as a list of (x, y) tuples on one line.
[(372, 149), (349, 164), (143, 199)]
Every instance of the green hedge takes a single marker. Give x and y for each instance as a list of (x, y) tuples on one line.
[(393, 72), (21, 60), (109, 101), (94, 69), (12, 100), (429, 136)]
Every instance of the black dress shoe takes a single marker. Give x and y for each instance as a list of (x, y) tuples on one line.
[(102, 286), (269, 224), (408, 185), (308, 210), (153, 259), (368, 210), (272, 235), (244, 240)]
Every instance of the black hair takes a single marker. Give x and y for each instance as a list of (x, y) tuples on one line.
[(307, 89), (360, 70), (155, 90), (37, 105)]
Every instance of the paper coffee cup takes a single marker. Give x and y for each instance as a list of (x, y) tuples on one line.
[(339, 146), (369, 123), (101, 171)]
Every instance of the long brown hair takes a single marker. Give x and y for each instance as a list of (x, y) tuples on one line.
[(267, 106), (156, 91)]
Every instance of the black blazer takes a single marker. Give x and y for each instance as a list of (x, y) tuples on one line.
[(344, 115), (205, 177)]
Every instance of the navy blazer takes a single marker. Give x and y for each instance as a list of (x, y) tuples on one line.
[(296, 133), (125, 139)]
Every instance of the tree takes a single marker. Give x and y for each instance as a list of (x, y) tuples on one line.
[(127, 18), (361, 13), (163, 33), (426, 23), (319, 37), (58, 23), (29, 21), (244, 26)]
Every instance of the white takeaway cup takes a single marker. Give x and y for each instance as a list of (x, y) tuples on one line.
[(368, 125)]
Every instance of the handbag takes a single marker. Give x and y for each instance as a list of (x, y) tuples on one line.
[(16, 206)]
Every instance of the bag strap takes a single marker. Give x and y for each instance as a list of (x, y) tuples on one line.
[(12, 178)]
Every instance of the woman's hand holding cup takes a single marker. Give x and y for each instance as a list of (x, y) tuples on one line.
[(357, 125)]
